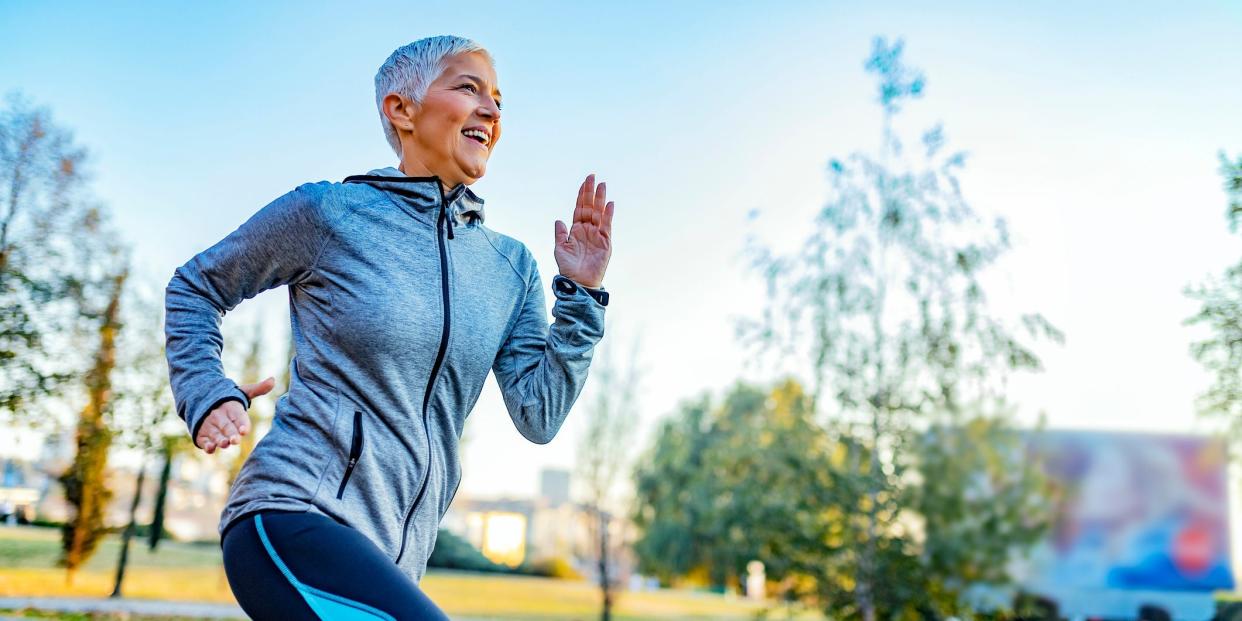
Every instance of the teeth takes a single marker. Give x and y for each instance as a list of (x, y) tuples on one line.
[(474, 133)]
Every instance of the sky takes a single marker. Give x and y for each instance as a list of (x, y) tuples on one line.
[(1094, 130)]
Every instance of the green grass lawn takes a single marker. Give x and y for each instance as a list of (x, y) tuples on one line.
[(193, 572)]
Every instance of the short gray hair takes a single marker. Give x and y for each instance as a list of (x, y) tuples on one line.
[(412, 68)]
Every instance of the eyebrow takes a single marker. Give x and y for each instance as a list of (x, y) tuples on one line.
[(480, 81)]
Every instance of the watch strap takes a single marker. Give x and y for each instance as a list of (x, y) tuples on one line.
[(568, 286)]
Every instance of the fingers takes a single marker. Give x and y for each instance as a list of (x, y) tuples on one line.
[(219, 434), (597, 207), (223, 428), (262, 388), (229, 433), (226, 424), (240, 421), (560, 233), (578, 202), (203, 442), (208, 435), (584, 197), (593, 207)]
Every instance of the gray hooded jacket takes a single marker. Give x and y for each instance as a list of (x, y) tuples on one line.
[(400, 304)]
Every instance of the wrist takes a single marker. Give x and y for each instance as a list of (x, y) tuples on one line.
[(585, 283), (568, 286)]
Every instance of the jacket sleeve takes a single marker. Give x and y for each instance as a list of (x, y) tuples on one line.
[(278, 245), (541, 371)]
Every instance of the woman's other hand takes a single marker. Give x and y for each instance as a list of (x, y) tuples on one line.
[(582, 251), (226, 424)]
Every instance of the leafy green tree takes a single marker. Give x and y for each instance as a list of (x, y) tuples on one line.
[(884, 300), (670, 500), (1221, 312), (977, 499), (752, 479)]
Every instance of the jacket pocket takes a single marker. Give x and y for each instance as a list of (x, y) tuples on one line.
[(355, 451)]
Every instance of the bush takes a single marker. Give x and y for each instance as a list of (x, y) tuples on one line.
[(552, 567), (453, 552)]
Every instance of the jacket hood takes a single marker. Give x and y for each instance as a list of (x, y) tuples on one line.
[(423, 193)]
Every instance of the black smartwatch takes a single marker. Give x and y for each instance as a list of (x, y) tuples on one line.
[(568, 286)]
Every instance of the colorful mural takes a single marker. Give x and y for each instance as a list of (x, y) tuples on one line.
[(1136, 511)]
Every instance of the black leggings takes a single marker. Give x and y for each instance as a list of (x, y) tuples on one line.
[(303, 565)]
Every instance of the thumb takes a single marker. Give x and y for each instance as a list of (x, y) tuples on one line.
[(262, 388), (560, 233)]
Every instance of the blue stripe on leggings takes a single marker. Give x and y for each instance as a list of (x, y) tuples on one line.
[(327, 605)]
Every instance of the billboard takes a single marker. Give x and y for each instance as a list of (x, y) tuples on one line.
[(1138, 515)]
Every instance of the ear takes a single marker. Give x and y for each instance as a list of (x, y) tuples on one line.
[(400, 111)]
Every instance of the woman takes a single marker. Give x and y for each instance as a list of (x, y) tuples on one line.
[(401, 301)]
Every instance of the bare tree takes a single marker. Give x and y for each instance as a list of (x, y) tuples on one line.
[(171, 447), (143, 406), (251, 369), (84, 481), (63, 274), (47, 218), (603, 452)]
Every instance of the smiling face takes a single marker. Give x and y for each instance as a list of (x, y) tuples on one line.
[(452, 132)]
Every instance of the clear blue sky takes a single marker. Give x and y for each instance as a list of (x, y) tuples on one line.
[(1093, 129)]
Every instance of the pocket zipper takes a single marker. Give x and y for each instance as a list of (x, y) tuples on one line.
[(355, 450)]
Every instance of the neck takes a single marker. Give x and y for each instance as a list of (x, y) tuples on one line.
[(414, 169)]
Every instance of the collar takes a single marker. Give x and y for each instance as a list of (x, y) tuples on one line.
[(424, 193)]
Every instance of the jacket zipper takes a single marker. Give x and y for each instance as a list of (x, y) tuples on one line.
[(355, 450), (435, 368)]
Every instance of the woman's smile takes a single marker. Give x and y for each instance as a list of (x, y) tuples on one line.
[(478, 135)]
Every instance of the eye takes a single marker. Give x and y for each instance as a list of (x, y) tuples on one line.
[(474, 89)]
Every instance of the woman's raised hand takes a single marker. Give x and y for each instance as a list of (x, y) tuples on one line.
[(582, 251), (226, 424)]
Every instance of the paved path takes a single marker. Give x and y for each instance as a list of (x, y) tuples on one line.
[(132, 606)]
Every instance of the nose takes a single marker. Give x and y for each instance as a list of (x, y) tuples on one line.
[(490, 110)]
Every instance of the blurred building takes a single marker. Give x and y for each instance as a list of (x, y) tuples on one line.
[(29, 488), (550, 526), (554, 486), (18, 494)]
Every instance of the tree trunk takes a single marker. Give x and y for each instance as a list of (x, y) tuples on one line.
[(85, 485), (129, 530), (605, 582), (866, 563), (161, 498)]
